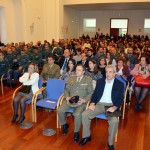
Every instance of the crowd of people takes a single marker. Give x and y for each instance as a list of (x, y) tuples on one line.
[(94, 61)]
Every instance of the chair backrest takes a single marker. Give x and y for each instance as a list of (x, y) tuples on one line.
[(122, 80), (54, 88), (40, 82)]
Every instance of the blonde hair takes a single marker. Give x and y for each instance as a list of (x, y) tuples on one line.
[(35, 67)]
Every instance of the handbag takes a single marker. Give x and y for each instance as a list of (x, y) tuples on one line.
[(140, 81), (116, 113), (25, 89)]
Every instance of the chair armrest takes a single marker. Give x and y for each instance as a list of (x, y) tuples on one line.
[(14, 94), (34, 98), (2, 77), (60, 100), (87, 105)]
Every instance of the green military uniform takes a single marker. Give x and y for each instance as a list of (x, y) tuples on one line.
[(115, 56), (49, 72), (36, 58), (84, 90), (23, 61), (10, 58), (3, 67), (59, 52), (99, 55)]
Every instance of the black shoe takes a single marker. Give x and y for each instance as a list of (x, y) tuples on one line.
[(14, 85), (14, 118), (65, 128), (85, 140), (76, 137), (21, 120), (111, 147)]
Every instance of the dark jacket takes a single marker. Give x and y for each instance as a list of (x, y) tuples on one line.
[(116, 94)]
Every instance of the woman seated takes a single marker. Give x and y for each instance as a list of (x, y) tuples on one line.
[(29, 78), (93, 72), (121, 68), (70, 71), (102, 66), (143, 69), (109, 60)]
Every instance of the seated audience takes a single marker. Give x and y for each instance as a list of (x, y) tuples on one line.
[(29, 78), (84, 60), (109, 60), (70, 71), (50, 70), (81, 86), (108, 92), (78, 56), (102, 66), (3, 65), (93, 72), (143, 69), (121, 68)]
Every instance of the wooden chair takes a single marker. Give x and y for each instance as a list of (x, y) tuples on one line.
[(37, 95), (54, 94), (5, 76)]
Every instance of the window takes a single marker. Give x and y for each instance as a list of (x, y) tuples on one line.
[(147, 23), (119, 26), (119, 23), (89, 25)]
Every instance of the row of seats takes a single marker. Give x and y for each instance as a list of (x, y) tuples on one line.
[(55, 96)]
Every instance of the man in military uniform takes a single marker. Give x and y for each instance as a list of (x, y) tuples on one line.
[(57, 52), (50, 70), (81, 86), (23, 61), (45, 53), (36, 57), (13, 64), (3, 65)]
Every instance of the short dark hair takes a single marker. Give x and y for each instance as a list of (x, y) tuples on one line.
[(81, 65), (50, 56)]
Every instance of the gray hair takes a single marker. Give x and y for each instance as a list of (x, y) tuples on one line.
[(111, 66)]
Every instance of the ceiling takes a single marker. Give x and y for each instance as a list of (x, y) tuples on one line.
[(112, 6)]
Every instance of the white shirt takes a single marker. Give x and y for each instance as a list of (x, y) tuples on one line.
[(106, 97), (34, 78)]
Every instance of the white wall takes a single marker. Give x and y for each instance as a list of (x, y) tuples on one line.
[(71, 23), (33, 20), (136, 20), (68, 2)]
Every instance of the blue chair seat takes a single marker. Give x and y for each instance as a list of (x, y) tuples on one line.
[(47, 103), (101, 116)]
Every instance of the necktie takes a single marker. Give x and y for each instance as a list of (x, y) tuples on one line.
[(78, 80), (64, 65)]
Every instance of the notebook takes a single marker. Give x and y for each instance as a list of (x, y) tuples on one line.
[(116, 113)]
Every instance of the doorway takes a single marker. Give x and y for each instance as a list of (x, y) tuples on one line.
[(118, 27)]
